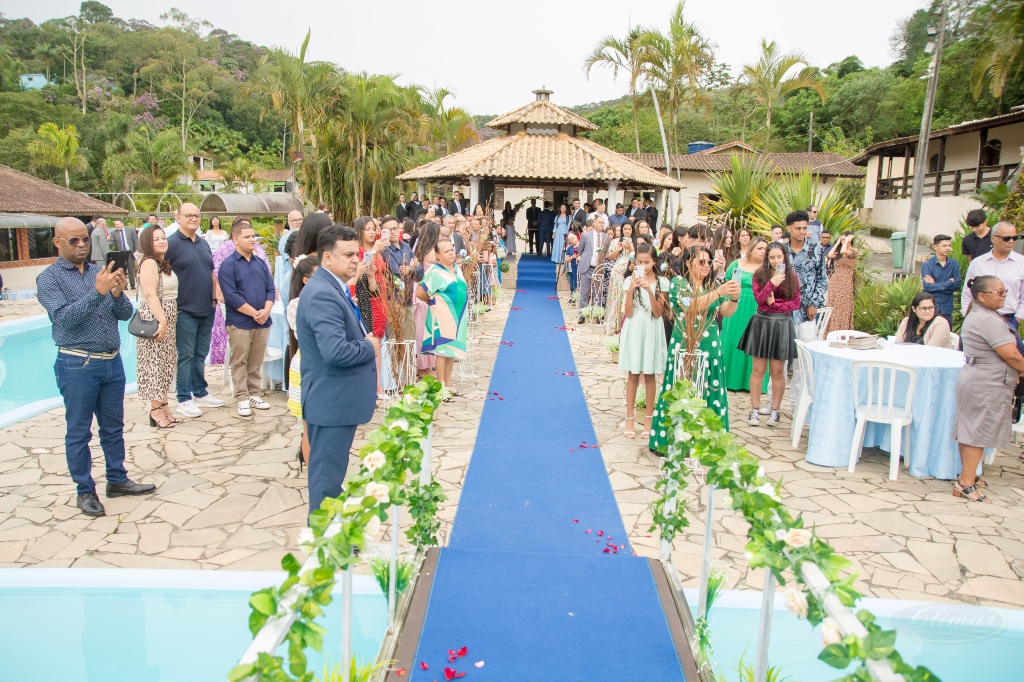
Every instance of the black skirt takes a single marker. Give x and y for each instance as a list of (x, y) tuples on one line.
[(771, 336)]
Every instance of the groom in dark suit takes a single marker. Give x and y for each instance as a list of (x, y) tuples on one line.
[(339, 377)]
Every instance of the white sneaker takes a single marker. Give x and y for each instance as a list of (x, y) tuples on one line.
[(774, 418), (243, 409), (755, 418), (765, 410), (208, 400), (188, 409), (258, 403)]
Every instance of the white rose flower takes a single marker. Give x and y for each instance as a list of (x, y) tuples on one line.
[(748, 555), (766, 489), (760, 472), (372, 526), (796, 602), (735, 468), (379, 491), (400, 424), (727, 502), (306, 537), (798, 538), (830, 633), (375, 460)]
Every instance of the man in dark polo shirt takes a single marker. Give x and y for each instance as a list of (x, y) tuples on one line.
[(198, 293)]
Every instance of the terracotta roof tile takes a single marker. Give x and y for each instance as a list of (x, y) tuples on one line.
[(542, 157), (23, 193), (542, 111)]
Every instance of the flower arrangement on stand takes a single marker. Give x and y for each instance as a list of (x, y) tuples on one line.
[(611, 344), (398, 355), (777, 541), (388, 475)]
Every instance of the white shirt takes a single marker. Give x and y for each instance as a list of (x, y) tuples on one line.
[(594, 237), (171, 229), (1010, 271)]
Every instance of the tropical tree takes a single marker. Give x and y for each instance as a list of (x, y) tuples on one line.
[(739, 187), (676, 63), (148, 161), (299, 90), (1001, 52), (767, 80), (58, 147), (448, 128), (792, 192), (240, 174), (626, 54)]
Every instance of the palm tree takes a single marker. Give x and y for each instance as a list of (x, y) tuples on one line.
[(240, 173), (1001, 53), (767, 82), (450, 128), (675, 63), (148, 161), (58, 147), (623, 54), (300, 90)]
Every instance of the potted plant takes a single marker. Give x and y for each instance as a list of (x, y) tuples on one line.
[(611, 344), (593, 313), (479, 309)]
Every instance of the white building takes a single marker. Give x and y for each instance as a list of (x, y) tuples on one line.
[(961, 158), (696, 171)]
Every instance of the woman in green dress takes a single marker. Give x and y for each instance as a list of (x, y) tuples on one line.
[(444, 289), (737, 363), (695, 292)]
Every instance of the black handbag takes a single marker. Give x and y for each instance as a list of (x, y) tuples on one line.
[(146, 329)]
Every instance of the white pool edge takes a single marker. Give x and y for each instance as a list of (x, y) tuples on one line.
[(156, 578)]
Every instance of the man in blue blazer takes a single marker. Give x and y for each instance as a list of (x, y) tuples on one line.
[(339, 377)]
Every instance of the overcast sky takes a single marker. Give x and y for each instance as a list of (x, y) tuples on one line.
[(492, 55)]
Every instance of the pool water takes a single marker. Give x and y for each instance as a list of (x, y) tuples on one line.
[(156, 634), (955, 641), (27, 353)]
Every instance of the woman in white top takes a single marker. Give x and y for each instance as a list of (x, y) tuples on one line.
[(157, 358), (215, 236)]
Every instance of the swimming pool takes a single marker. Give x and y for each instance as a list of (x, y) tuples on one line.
[(27, 353), (137, 625), (932, 634)]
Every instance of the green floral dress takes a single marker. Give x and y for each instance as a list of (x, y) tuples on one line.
[(446, 326), (680, 295)]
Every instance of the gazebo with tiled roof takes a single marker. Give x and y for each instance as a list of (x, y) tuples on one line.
[(540, 149)]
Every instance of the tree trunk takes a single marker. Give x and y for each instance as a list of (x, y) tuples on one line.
[(183, 91), (768, 128), (636, 119), (67, 179), (83, 75)]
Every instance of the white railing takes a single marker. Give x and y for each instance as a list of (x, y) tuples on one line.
[(270, 637)]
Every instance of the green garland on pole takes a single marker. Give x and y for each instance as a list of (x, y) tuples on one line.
[(391, 461), (776, 540)]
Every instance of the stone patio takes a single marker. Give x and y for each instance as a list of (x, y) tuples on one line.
[(230, 494), (907, 539)]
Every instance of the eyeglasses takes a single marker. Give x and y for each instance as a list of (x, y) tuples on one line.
[(74, 241), (704, 262), (997, 292), (1011, 238), (192, 216), (927, 309)]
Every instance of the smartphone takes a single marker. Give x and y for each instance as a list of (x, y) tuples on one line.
[(781, 267), (638, 272), (119, 259), (719, 254), (385, 234), (737, 275), (368, 257)]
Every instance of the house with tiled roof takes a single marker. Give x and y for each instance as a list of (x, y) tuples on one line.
[(696, 171)]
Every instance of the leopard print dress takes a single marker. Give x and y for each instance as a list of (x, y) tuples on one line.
[(158, 360)]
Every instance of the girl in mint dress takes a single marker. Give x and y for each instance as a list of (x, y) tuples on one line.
[(642, 347), (682, 295)]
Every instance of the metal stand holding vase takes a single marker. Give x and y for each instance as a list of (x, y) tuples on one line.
[(398, 362)]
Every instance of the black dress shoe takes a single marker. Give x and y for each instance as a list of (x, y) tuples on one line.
[(90, 504), (129, 488), (580, 321)]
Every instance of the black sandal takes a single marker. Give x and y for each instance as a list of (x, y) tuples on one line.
[(159, 424), (298, 456), (959, 491), (174, 420)]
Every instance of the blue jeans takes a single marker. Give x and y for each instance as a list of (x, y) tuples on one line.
[(193, 343), (571, 272), (92, 387)]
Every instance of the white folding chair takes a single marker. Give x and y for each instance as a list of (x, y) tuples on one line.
[(821, 322), (269, 355), (954, 341), (806, 388), (844, 335), (880, 409)]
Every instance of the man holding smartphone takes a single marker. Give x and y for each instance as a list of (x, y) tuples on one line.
[(808, 261)]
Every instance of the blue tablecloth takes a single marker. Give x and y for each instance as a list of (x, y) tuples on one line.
[(278, 339), (933, 452)]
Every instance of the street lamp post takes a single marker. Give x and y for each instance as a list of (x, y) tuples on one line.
[(921, 156)]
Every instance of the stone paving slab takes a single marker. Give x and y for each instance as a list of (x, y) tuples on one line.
[(907, 539), (25, 307), (229, 491)]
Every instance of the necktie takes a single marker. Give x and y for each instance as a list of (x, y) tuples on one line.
[(124, 243)]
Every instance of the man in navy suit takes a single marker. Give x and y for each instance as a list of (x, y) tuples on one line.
[(339, 377)]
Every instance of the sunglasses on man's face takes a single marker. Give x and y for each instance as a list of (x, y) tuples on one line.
[(1011, 238), (74, 241)]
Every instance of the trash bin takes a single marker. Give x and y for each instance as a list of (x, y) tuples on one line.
[(899, 244)]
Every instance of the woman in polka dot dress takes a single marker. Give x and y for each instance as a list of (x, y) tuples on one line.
[(708, 301)]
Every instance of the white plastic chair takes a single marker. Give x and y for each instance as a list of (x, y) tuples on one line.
[(806, 388), (269, 355), (821, 322), (954, 341), (877, 410), (844, 335)]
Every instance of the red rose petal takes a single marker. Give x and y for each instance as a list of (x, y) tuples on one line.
[(589, 531), (572, 449), (575, 520), (400, 672), (600, 532), (607, 551), (462, 652), (424, 666)]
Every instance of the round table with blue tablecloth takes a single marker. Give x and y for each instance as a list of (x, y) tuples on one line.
[(933, 452)]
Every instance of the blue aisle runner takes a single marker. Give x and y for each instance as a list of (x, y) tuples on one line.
[(523, 584)]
